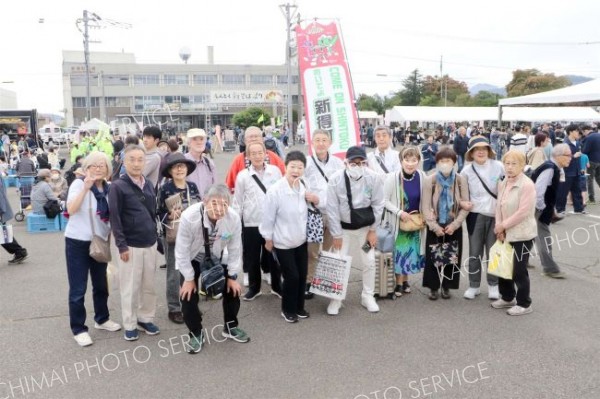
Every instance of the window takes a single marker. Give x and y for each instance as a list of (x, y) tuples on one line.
[(79, 80), (115, 80), (79, 102), (201, 99), (146, 80), (234, 79), (282, 79), (205, 79), (177, 80), (116, 101), (261, 79), (143, 103)]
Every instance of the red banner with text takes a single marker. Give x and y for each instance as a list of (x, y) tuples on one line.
[(326, 86)]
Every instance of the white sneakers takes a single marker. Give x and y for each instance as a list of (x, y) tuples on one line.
[(108, 325), (334, 307), (502, 304), (370, 303), (246, 280), (493, 292), (83, 339), (519, 311), (471, 293)]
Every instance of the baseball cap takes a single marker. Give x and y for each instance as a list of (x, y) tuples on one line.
[(355, 152)]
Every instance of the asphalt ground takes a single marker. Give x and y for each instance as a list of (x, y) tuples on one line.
[(412, 348)]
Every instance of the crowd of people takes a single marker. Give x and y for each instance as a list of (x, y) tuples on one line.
[(157, 205)]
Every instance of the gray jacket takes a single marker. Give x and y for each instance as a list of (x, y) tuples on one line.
[(40, 194)]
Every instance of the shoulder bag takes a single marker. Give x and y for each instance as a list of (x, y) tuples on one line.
[(173, 227), (360, 217), (212, 273), (415, 218), (314, 222), (483, 183), (99, 247)]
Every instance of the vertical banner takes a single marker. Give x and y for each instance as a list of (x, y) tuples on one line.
[(326, 86)]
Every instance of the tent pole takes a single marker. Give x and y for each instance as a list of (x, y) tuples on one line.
[(499, 116)]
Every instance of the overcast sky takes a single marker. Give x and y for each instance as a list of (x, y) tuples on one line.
[(385, 40)]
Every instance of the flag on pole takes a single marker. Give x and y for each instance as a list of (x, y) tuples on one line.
[(261, 118)]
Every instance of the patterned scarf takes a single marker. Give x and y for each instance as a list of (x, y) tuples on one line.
[(101, 196), (446, 201)]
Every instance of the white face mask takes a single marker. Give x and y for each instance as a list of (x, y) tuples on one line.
[(55, 177), (356, 172), (444, 168)]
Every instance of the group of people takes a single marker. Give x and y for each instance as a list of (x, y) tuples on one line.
[(260, 223)]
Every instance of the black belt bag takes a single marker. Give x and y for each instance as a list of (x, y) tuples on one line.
[(360, 217)]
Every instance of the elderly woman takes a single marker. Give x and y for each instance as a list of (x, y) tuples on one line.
[(41, 192), (174, 197), (58, 184), (402, 193), (251, 187), (483, 175), (443, 193), (515, 222), (88, 215)]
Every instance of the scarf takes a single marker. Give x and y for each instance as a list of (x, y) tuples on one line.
[(102, 207), (446, 201)]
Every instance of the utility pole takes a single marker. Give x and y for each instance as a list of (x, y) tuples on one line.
[(97, 22), (288, 10)]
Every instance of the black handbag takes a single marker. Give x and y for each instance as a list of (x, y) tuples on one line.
[(212, 273), (52, 209), (359, 217)]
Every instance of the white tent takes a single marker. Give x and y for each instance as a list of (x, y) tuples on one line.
[(580, 93), (511, 114), (94, 124)]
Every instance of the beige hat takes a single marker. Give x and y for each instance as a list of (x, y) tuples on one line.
[(43, 173), (196, 133)]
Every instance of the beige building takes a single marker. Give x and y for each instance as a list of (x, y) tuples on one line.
[(176, 96)]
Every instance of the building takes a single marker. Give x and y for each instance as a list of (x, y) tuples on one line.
[(8, 99), (175, 96)]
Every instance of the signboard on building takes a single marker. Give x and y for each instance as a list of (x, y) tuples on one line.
[(326, 86), (245, 96)]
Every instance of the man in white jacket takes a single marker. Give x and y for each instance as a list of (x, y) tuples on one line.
[(384, 159), (351, 232), (224, 229)]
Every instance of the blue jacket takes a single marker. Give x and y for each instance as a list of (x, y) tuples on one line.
[(132, 214), (591, 147)]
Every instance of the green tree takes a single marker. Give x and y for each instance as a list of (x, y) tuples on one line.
[(413, 89), (446, 88), (250, 116), (371, 103), (431, 100), (530, 81), (486, 99)]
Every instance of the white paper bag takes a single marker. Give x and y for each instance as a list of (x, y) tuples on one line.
[(331, 275), (6, 233)]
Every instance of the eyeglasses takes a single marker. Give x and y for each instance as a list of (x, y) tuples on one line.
[(180, 166), (99, 166)]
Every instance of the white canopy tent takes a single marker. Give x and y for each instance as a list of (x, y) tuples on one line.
[(588, 92), (512, 114)]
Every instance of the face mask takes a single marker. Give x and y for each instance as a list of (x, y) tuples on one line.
[(444, 168), (55, 177), (356, 172)]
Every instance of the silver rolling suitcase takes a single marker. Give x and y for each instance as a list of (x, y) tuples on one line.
[(385, 279)]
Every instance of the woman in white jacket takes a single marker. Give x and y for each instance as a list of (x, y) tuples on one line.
[(283, 227), (251, 186), (402, 193)]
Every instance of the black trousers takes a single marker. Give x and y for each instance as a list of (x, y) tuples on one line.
[(265, 264), (294, 266), (522, 249), (13, 247), (191, 312), (255, 256)]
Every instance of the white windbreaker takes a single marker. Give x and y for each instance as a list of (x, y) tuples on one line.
[(249, 197)]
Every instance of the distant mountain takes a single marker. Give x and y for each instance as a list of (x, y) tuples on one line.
[(576, 79), (486, 87)]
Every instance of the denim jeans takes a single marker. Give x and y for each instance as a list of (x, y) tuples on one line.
[(79, 265), (461, 161)]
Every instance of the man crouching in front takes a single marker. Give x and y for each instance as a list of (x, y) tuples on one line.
[(214, 219)]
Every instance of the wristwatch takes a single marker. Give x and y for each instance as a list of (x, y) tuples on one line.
[(233, 277)]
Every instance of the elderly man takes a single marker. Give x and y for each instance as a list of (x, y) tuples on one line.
[(240, 162), (384, 159), (214, 219), (350, 233), (205, 174), (132, 218), (547, 179)]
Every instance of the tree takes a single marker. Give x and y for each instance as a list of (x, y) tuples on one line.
[(371, 103), (530, 81), (250, 116), (486, 99), (413, 89), (432, 85)]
